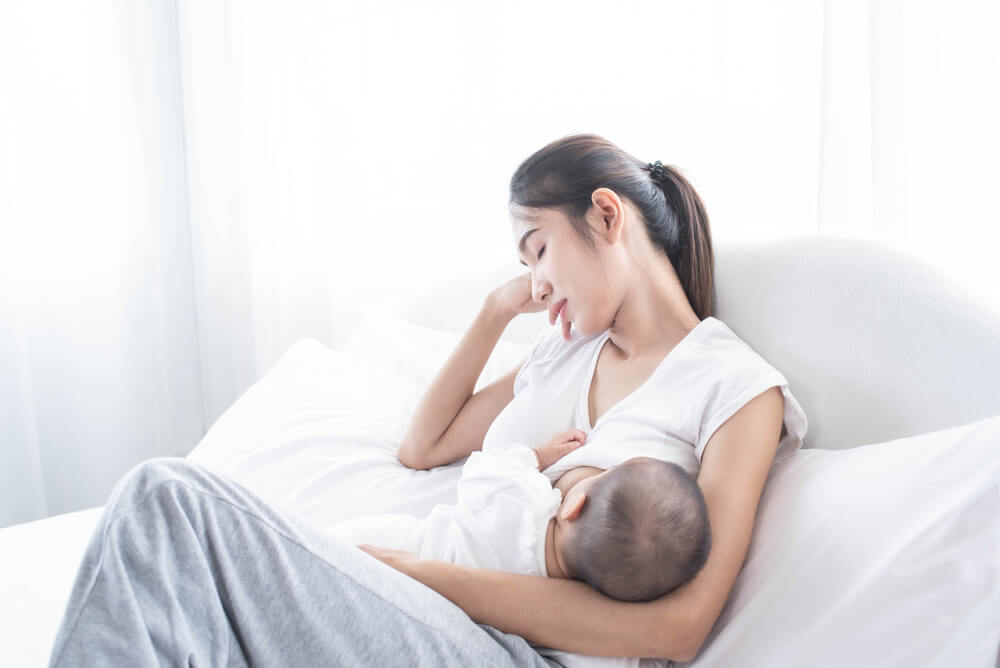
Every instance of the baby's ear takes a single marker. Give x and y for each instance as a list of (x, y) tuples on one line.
[(571, 509)]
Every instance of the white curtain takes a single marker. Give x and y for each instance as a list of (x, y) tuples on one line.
[(189, 187), (99, 359)]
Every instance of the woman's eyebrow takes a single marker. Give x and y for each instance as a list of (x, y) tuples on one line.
[(523, 241)]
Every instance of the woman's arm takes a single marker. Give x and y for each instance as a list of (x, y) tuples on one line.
[(565, 614), (734, 468), (571, 616), (449, 422)]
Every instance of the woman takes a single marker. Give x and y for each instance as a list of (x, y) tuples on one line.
[(188, 566)]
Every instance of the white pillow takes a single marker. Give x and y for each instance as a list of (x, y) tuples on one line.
[(880, 555), (417, 353), (317, 435)]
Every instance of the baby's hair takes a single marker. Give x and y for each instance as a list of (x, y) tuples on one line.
[(642, 532)]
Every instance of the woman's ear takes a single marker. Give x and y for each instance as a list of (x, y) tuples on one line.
[(610, 211)]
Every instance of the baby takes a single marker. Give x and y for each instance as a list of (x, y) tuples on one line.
[(634, 531)]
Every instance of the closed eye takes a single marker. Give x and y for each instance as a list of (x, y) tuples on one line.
[(540, 251)]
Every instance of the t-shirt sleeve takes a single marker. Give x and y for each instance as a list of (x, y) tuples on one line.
[(733, 383)]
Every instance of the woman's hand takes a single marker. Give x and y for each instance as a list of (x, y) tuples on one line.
[(514, 296), (559, 446)]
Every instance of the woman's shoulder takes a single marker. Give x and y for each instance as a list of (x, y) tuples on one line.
[(722, 368), (719, 345), (731, 373)]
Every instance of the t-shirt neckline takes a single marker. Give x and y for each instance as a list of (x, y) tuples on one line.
[(584, 399)]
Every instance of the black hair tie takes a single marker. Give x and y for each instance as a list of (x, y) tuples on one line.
[(655, 169)]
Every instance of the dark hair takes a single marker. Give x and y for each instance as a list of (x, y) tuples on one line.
[(642, 532), (564, 174)]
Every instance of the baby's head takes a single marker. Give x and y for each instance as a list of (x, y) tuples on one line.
[(635, 531)]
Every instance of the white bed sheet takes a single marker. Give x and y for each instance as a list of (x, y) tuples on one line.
[(38, 561)]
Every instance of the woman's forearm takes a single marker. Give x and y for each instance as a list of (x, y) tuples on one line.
[(452, 386), (562, 614)]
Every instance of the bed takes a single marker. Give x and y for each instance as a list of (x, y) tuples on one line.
[(877, 544)]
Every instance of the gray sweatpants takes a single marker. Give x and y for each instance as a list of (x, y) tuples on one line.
[(188, 568)]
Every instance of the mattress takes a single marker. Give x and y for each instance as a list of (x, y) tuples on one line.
[(38, 561)]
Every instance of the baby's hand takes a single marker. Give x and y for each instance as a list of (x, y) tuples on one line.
[(558, 446)]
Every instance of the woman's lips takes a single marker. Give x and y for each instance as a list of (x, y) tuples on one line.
[(558, 310)]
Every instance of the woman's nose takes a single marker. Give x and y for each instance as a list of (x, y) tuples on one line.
[(540, 292)]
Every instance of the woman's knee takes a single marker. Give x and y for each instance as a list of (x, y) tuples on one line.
[(140, 481)]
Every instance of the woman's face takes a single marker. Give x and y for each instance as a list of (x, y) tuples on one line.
[(564, 268)]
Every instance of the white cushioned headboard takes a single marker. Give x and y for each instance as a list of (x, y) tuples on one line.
[(875, 344)]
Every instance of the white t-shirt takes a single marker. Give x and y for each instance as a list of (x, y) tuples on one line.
[(708, 376)]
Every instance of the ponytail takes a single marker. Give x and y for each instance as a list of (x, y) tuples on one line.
[(692, 257)]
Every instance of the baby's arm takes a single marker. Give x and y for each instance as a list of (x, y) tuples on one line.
[(515, 469), (559, 446)]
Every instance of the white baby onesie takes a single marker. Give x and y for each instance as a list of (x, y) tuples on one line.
[(499, 523)]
